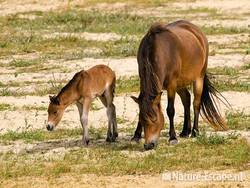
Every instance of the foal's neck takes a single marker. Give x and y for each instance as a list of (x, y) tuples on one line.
[(69, 93)]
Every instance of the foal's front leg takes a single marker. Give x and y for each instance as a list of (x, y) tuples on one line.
[(83, 109)]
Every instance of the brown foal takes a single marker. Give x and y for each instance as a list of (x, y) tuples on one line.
[(172, 57), (98, 81)]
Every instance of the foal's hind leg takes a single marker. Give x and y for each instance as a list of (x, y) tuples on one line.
[(198, 87), (186, 101), (107, 100)]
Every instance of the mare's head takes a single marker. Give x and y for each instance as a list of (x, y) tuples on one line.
[(151, 118), (55, 112)]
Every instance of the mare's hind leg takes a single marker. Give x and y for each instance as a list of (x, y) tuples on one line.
[(83, 109), (107, 100), (198, 87), (137, 134), (186, 101), (170, 112)]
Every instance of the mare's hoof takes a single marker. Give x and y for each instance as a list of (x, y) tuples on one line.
[(110, 139), (136, 139), (184, 134), (173, 142), (115, 135), (195, 133)]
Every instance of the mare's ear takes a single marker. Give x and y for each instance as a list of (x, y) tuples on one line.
[(135, 99), (54, 100), (50, 97), (157, 99)]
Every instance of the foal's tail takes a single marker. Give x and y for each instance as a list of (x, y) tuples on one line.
[(209, 107)]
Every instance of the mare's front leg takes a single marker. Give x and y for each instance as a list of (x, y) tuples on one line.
[(137, 134), (171, 112), (83, 109)]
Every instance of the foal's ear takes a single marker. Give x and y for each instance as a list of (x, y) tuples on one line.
[(54, 100), (135, 99), (157, 99)]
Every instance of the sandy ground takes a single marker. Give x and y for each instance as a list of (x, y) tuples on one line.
[(88, 36), (122, 67), (145, 181), (12, 7), (241, 8), (126, 108)]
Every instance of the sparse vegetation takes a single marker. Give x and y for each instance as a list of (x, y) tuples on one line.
[(214, 139), (231, 85), (24, 63), (107, 159), (126, 85), (229, 71), (39, 135), (34, 107), (238, 120), (229, 79), (4, 106)]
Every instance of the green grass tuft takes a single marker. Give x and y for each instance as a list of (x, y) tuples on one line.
[(126, 85), (238, 120), (214, 139), (40, 135), (4, 107)]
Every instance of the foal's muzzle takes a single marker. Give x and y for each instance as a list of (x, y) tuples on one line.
[(50, 127), (150, 146)]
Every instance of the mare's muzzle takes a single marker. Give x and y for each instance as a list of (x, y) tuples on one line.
[(50, 127), (150, 146)]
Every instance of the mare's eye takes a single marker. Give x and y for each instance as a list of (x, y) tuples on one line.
[(54, 112)]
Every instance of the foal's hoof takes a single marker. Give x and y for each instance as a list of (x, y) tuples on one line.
[(85, 142), (173, 142)]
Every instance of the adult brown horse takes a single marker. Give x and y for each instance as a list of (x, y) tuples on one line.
[(171, 57), (98, 81)]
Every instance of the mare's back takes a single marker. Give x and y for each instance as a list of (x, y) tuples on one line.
[(189, 32)]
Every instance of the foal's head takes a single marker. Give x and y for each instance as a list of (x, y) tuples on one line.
[(151, 118), (55, 112)]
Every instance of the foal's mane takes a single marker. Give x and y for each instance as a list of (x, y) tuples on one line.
[(149, 81), (71, 83)]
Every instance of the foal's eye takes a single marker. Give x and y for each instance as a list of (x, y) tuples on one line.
[(54, 112)]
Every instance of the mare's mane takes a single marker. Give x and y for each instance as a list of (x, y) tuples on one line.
[(149, 82)]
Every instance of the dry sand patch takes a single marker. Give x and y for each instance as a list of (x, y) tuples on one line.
[(145, 181), (123, 67), (87, 36), (227, 6), (16, 6), (126, 108)]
